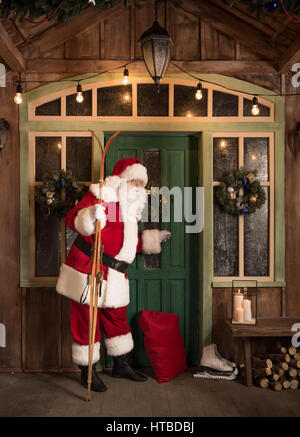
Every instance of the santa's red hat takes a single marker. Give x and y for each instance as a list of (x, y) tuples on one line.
[(131, 168)]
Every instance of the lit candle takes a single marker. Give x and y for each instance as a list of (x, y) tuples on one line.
[(240, 315), (247, 310), (237, 302)]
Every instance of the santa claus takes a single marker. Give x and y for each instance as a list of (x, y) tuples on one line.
[(124, 198)]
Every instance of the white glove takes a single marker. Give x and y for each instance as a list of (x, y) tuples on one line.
[(99, 213), (164, 236)]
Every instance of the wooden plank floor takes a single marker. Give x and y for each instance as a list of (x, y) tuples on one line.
[(61, 395)]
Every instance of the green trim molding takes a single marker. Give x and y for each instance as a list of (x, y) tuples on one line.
[(205, 174)]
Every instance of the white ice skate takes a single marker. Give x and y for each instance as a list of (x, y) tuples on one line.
[(214, 366), (229, 363)]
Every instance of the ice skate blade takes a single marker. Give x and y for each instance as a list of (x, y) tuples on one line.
[(207, 375), (213, 370)]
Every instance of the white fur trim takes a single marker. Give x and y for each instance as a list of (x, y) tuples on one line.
[(135, 171), (130, 241), (151, 241), (110, 189), (120, 345), (114, 292), (84, 222), (80, 354), (129, 210)]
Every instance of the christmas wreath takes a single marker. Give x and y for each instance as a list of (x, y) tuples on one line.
[(59, 193), (240, 192)]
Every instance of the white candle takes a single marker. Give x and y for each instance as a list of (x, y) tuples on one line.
[(237, 303), (240, 315), (247, 310)]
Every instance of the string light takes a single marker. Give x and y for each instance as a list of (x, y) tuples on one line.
[(223, 144), (189, 115), (199, 95), (18, 99), (79, 95), (126, 77), (255, 107)]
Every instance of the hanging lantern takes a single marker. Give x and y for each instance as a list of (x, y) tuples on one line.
[(156, 47)]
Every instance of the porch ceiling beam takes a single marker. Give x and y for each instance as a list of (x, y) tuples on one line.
[(291, 56), (232, 26), (61, 33), (12, 57), (80, 66)]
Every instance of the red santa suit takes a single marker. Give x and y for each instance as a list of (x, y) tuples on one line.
[(121, 240)]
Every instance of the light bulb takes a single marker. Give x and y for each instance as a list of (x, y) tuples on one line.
[(126, 77), (223, 144), (255, 107), (189, 115), (79, 95), (126, 97), (199, 95), (18, 99)]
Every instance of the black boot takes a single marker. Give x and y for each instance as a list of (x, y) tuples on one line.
[(122, 369), (97, 384)]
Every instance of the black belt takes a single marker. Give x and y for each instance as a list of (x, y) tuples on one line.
[(107, 260)]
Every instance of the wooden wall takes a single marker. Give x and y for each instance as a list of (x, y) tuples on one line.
[(10, 294), (37, 320)]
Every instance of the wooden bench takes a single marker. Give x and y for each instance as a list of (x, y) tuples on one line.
[(279, 327)]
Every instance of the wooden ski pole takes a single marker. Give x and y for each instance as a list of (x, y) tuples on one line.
[(96, 274)]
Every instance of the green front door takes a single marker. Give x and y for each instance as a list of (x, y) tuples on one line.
[(166, 282)]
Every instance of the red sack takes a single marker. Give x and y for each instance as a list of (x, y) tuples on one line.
[(163, 344)]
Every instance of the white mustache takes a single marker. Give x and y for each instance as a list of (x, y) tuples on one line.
[(133, 201), (135, 193)]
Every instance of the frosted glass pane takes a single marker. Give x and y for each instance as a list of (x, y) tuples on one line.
[(256, 156), (256, 237), (79, 157), (185, 102), (47, 156), (224, 104), (225, 243), (49, 108), (79, 109), (225, 156), (150, 102), (47, 244), (114, 101), (264, 111), (151, 160)]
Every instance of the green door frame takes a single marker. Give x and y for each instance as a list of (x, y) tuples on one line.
[(172, 125)]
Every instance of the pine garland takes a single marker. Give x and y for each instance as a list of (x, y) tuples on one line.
[(262, 6), (61, 10), (59, 193), (240, 192)]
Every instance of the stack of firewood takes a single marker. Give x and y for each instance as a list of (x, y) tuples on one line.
[(279, 371)]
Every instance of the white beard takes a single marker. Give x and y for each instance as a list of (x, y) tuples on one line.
[(132, 201)]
